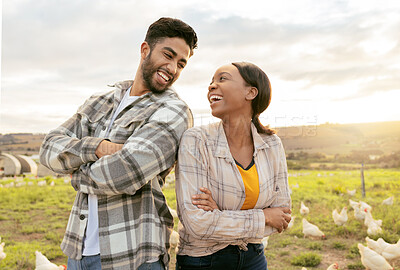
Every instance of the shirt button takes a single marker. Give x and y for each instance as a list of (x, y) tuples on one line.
[(82, 217)]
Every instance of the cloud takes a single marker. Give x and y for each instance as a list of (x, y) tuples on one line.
[(72, 49)]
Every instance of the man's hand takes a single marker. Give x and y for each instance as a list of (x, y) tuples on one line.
[(107, 148), (204, 201), (277, 217)]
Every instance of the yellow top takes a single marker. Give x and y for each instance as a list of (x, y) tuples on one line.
[(251, 185)]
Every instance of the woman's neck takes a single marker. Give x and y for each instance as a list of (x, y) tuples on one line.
[(238, 131)]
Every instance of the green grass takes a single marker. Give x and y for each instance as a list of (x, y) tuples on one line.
[(34, 218)]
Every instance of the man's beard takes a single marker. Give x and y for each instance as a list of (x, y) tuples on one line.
[(148, 71)]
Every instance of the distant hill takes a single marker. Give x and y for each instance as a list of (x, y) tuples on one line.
[(21, 143), (380, 137), (330, 139)]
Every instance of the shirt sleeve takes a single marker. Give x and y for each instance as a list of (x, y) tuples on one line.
[(147, 152), (223, 226), (281, 181), (64, 149)]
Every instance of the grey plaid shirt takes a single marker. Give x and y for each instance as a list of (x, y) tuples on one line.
[(134, 220)]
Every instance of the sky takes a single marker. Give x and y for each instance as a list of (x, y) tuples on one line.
[(328, 61)]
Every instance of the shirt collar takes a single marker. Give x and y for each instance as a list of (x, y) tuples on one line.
[(222, 147), (123, 86)]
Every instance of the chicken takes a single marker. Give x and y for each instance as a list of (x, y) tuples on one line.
[(351, 192), (391, 251), (377, 246), (2, 254), (388, 201), (333, 266), (264, 241), (340, 219), (354, 204), (311, 229), (358, 214), (174, 239), (42, 183), (373, 229), (290, 225), (369, 219), (365, 206), (296, 185), (372, 260), (42, 263), (304, 210)]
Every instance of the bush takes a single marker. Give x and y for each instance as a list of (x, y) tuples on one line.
[(338, 245), (315, 246), (306, 259), (357, 266)]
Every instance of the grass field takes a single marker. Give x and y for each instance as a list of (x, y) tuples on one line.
[(34, 218)]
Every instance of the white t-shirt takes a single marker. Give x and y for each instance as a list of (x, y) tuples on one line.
[(91, 242)]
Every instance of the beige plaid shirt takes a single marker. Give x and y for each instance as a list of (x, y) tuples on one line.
[(134, 220), (204, 160)]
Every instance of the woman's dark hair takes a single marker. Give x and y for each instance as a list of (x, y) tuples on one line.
[(255, 77), (170, 27)]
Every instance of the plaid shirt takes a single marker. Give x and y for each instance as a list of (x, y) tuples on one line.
[(134, 220), (204, 160)]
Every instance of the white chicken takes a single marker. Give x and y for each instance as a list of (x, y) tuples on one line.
[(391, 251), (311, 229), (333, 266), (372, 260), (369, 219), (358, 214), (377, 246), (290, 225), (2, 254), (365, 206), (340, 219), (354, 204), (304, 210), (388, 201), (264, 241), (174, 239), (373, 229), (42, 263), (351, 192)]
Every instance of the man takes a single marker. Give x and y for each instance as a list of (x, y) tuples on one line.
[(119, 147)]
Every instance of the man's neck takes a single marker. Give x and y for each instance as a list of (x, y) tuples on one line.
[(138, 86)]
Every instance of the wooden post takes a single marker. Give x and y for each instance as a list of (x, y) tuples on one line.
[(362, 180)]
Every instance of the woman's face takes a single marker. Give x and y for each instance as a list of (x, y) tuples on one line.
[(227, 93)]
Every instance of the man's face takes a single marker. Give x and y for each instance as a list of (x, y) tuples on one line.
[(163, 65)]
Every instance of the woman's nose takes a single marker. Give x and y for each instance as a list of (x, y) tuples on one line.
[(212, 86)]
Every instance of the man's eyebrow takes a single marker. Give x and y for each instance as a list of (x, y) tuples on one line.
[(174, 53)]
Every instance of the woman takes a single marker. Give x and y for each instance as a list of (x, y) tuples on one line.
[(240, 167)]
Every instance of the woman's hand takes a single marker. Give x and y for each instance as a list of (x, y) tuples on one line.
[(277, 217), (204, 201)]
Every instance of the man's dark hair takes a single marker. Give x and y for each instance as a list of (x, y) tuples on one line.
[(170, 27)]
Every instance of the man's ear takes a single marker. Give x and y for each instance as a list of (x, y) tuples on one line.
[(144, 50), (252, 92)]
